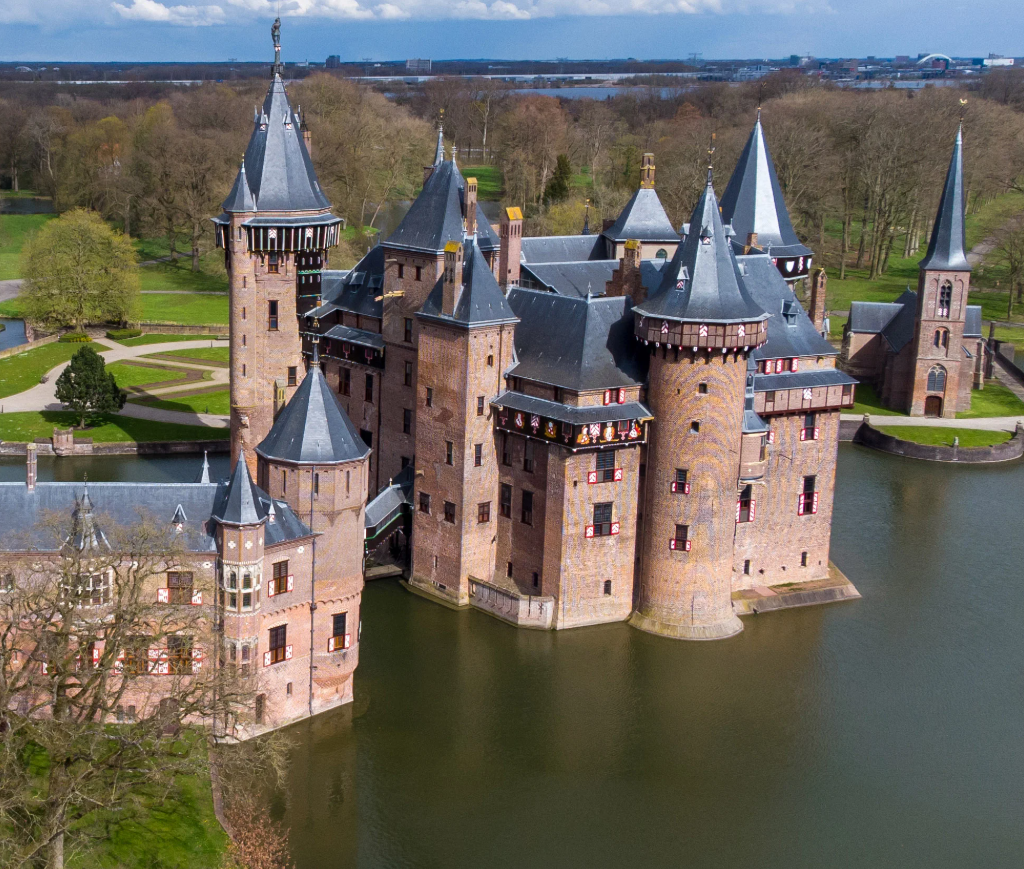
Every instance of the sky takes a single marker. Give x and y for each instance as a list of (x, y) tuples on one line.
[(216, 30)]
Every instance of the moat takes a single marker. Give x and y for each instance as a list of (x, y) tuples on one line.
[(882, 732)]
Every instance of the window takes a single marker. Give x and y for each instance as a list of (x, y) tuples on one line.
[(424, 502), (681, 541), (281, 581), (478, 455), (401, 271), (367, 436), (479, 405), (272, 315), (528, 457), (344, 381), (490, 360), (247, 588), (606, 467), (506, 450), (408, 329), (505, 500), (408, 374), (808, 501), (419, 273), (945, 299), (293, 375), (406, 461), (937, 379), (273, 265), (430, 396), (695, 426), (746, 505), (702, 389), (135, 656), (803, 559), (483, 512), (449, 453), (508, 570), (603, 519), (810, 430), (339, 633), (407, 422), (7, 582), (369, 388), (746, 567), (92, 589), (449, 512), (608, 587), (536, 579), (942, 338), (681, 483), (278, 645), (179, 588), (179, 655), (527, 514)]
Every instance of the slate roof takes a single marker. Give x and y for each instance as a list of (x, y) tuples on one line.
[(481, 301), (802, 379), (241, 503), (569, 413), (277, 168), (562, 248), (356, 336), (313, 428), (894, 321), (702, 283), (948, 244), (753, 201), (436, 215), (576, 278), (972, 321), (575, 343), (644, 219), (355, 290)]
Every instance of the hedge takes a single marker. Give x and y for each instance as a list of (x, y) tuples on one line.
[(74, 338), (122, 334)]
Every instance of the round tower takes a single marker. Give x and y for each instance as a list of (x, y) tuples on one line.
[(700, 327)]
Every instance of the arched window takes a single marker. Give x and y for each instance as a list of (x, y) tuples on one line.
[(945, 299), (662, 254), (937, 379), (942, 338)]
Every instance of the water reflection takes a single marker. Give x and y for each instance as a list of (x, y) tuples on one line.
[(121, 469)]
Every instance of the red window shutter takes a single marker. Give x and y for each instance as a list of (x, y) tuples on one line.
[(803, 434), (753, 509), (814, 503), (817, 431), (266, 659), (794, 364), (291, 581), (287, 653), (197, 598), (607, 396), (591, 476), (618, 475), (590, 531), (771, 437), (615, 528), (271, 588), (163, 595), (622, 396), (737, 511)]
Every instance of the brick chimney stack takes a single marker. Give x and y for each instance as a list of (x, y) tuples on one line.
[(818, 287), (626, 279), (471, 206), (452, 285), (751, 242), (511, 233), (31, 467), (647, 171)]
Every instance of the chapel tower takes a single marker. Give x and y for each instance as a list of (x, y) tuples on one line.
[(275, 230), (700, 328), (942, 288)]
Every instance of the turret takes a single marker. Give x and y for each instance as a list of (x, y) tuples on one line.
[(699, 327)]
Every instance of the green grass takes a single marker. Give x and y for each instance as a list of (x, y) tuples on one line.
[(218, 402), (194, 310), (938, 436), (213, 354), (128, 375), (869, 402), (178, 276), (21, 372), (15, 231), (29, 425), (994, 400), (489, 182), (159, 338)]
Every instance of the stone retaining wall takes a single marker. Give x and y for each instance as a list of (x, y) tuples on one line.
[(176, 329), (878, 440), (86, 447), (31, 345), (525, 611)]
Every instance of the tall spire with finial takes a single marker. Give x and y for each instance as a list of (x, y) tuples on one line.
[(275, 34), (586, 219), (711, 163), (439, 151), (947, 246)]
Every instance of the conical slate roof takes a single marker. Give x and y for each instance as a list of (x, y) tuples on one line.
[(753, 201), (243, 503), (702, 282), (313, 428), (643, 219), (277, 167), (240, 199), (947, 247), (481, 301), (439, 151)]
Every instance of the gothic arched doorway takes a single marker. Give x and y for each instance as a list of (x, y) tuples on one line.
[(933, 405)]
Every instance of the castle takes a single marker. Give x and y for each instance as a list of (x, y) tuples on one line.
[(636, 425), (924, 352)]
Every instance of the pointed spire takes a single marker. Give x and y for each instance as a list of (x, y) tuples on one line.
[(947, 247), (586, 219), (315, 361), (454, 149), (240, 199), (242, 504), (204, 473), (439, 150)]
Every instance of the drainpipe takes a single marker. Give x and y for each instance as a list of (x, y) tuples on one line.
[(312, 589)]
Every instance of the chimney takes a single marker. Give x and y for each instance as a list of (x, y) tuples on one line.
[(647, 171), (31, 467), (307, 138), (626, 279), (751, 242), (470, 206), (511, 234), (452, 285), (818, 286)]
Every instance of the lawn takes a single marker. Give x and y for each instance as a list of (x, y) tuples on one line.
[(21, 372), (994, 400), (157, 338), (183, 310), (29, 425), (938, 436), (129, 374), (867, 401), (210, 354), (178, 276), (15, 231), (217, 402), (489, 182)]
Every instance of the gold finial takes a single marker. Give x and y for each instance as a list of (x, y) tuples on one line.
[(760, 96), (711, 153), (963, 108)]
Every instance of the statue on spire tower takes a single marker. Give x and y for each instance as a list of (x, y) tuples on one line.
[(275, 34)]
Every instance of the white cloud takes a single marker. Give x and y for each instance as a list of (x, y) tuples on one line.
[(151, 10)]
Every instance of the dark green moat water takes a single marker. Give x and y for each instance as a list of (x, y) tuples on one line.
[(885, 732)]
